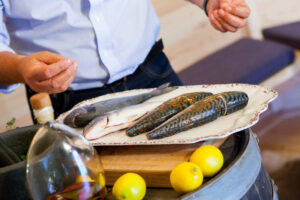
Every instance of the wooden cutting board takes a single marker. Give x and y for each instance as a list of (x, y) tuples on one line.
[(153, 162)]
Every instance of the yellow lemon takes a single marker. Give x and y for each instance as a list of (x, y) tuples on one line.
[(83, 178), (186, 177), (209, 158), (100, 179), (129, 186)]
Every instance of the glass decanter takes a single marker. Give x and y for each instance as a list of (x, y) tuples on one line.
[(61, 164)]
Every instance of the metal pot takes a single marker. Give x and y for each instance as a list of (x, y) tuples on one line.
[(12, 176)]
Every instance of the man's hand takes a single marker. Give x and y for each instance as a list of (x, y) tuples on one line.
[(226, 15), (47, 72)]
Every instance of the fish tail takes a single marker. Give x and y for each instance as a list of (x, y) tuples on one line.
[(162, 90), (232, 101)]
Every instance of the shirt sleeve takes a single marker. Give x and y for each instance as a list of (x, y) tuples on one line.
[(8, 89), (4, 46)]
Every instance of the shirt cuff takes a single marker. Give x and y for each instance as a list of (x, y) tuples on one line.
[(6, 89), (3, 47)]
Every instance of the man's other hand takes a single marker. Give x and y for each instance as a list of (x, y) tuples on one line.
[(228, 15), (47, 72)]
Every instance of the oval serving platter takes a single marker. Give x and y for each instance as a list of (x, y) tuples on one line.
[(259, 98)]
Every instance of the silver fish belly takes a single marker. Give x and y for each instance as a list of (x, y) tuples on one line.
[(116, 120), (81, 116)]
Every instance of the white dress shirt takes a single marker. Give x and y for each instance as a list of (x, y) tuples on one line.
[(107, 38)]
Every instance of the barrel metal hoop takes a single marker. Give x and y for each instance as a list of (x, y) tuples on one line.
[(237, 180)]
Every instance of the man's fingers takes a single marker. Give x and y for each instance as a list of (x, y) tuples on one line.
[(224, 24), (232, 20), (216, 16), (225, 2), (238, 8), (48, 57), (60, 82), (240, 11), (66, 85), (45, 72), (63, 87), (228, 27), (215, 23), (44, 87)]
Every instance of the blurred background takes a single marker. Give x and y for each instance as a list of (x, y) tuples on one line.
[(188, 38)]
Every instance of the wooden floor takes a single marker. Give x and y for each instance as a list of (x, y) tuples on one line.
[(14, 105), (280, 151)]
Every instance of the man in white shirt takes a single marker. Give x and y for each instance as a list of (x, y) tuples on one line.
[(81, 49)]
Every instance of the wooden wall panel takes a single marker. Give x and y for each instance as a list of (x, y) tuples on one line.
[(276, 12)]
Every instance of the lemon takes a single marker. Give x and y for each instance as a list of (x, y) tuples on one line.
[(186, 177), (129, 186), (100, 179), (209, 158)]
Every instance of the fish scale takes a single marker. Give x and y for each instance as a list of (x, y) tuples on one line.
[(200, 113), (165, 111)]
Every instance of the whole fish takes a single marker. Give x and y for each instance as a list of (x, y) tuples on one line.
[(165, 111), (117, 120), (200, 113), (81, 116)]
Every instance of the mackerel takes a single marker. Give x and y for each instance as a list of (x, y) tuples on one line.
[(165, 111), (200, 113)]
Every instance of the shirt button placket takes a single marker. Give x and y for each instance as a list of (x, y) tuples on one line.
[(103, 36)]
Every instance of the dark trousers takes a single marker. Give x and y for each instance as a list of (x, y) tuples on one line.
[(152, 73)]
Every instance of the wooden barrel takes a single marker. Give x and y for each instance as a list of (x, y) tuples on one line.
[(242, 177)]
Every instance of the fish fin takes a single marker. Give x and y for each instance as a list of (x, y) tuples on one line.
[(164, 88), (96, 135), (94, 128)]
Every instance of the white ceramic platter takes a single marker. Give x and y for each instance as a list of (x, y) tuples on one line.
[(259, 98)]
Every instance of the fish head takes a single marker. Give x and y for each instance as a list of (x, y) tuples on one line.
[(72, 119)]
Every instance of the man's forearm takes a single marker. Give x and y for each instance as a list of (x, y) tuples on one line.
[(9, 73)]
